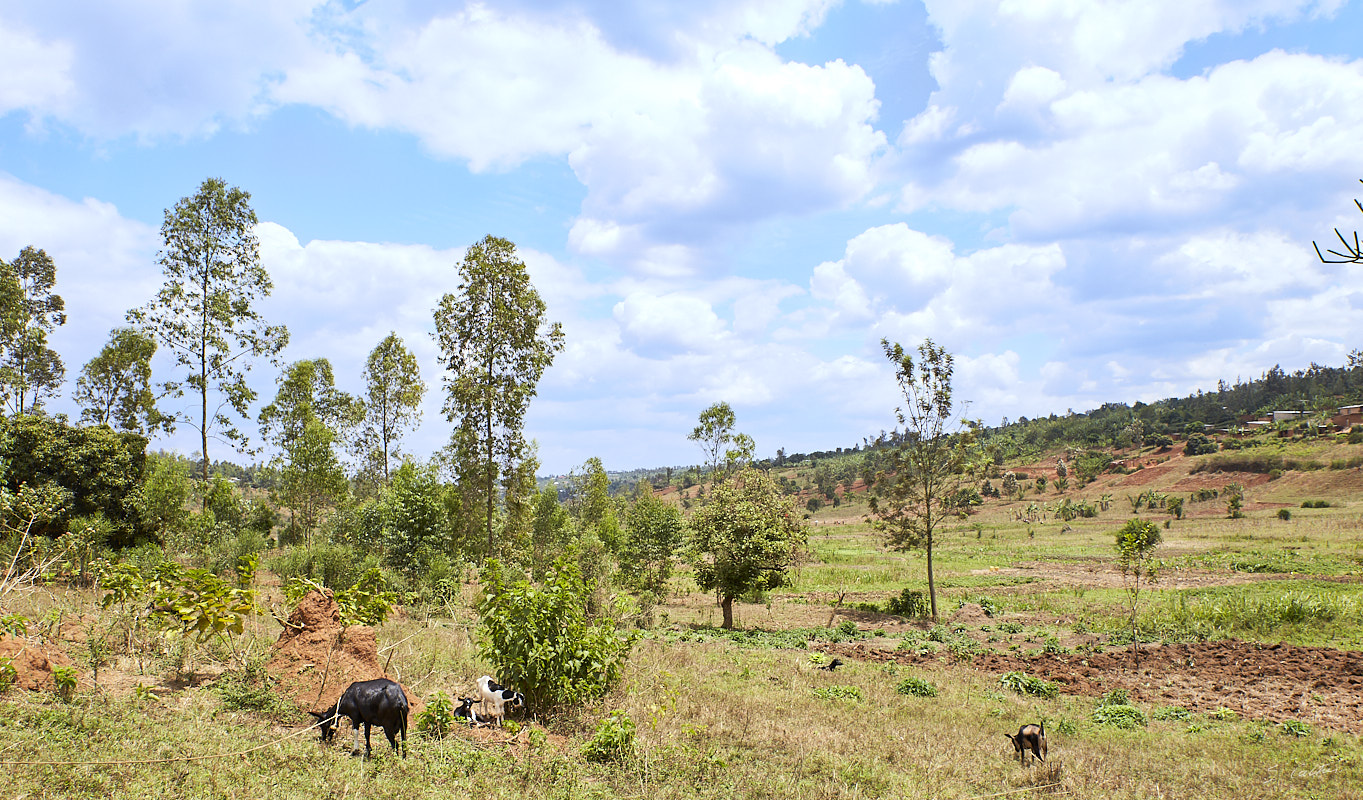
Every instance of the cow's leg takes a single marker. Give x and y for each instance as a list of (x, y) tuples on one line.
[(354, 751), (368, 750)]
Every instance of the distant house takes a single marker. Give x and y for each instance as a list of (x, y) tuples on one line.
[(1283, 416), (1347, 417)]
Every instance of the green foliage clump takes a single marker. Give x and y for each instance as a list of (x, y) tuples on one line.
[(97, 470), (1315, 504), (837, 692), (8, 674), (1164, 713), (539, 640), (613, 740), (653, 534), (916, 687), (908, 603), (437, 719), (1294, 727), (1223, 714), (65, 680), (1022, 683), (1284, 515), (1200, 444), (1010, 627), (1120, 715)]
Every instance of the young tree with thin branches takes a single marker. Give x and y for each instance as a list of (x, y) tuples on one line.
[(913, 498), (204, 314)]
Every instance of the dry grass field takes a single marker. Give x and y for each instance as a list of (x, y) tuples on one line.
[(1249, 683)]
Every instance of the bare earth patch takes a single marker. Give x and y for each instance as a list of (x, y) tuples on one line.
[(1317, 685)]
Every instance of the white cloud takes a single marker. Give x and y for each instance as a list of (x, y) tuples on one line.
[(37, 75), (153, 69)]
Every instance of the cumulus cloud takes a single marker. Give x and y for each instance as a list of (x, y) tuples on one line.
[(151, 69), (673, 150)]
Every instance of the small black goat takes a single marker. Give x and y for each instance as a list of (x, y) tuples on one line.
[(378, 702), (832, 665), (1030, 737)]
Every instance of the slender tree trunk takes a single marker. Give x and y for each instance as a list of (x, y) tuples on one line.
[(932, 584), (728, 605)]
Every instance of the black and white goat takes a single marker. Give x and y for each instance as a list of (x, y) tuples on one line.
[(465, 710), (378, 702), (496, 698), (1030, 737)]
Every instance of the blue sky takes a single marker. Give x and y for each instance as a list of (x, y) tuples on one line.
[(1084, 201)]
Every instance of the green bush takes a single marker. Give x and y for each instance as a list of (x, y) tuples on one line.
[(916, 687), (436, 720), (8, 674), (65, 679), (1022, 683), (1315, 504), (613, 740), (1294, 727), (1119, 715), (1284, 515), (540, 642), (1199, 444), (1116, 697), (849, 693), (909, 603), (1010, 627), (1171, 713), (98, 469)]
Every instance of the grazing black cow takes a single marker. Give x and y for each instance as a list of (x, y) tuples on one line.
[(497, 698), (378, 702), (1030, 737)]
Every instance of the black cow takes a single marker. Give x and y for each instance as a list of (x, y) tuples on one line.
[(378, 702)]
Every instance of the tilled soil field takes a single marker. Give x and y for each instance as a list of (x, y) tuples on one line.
[(1317, 685)]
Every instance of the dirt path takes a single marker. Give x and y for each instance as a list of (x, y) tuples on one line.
[(1317, 685)]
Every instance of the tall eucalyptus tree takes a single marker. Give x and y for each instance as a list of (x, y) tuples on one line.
[(495, 345), (204, 314)]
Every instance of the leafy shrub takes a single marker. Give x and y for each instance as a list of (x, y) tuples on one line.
[(1315, 504), (15, 625), (909, 603), (613, 740), (1010, 627), (539, 641), (1171, 713), (65, 679), (1199, 444), (1119, 715), (436, 720), (1284, 515), (8, 674), (916, 687), (1116, 697), (1022, 683), (938, 633), (1223, 714), (1294, 727), (850, 693), (848, 628)]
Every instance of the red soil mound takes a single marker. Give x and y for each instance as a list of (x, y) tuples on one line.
[(32, 663), (316, 658)]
